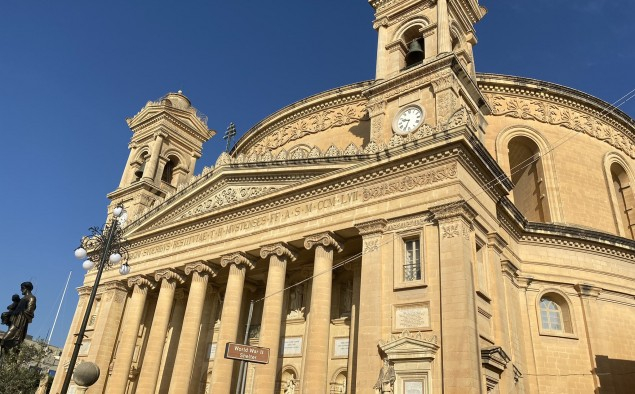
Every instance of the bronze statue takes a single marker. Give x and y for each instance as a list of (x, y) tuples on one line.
[(20, 318), (6, 316)]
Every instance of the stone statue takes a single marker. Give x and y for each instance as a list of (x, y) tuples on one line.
[(386, 380), (290, 389), (20, 318), (6, 316), (296, 296), (346, 298)]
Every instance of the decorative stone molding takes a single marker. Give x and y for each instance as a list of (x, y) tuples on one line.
[(238, 259), (84, 290), (495, 241), (372, 227), (453, 210), (228, 196), (586, 290), (280, 249), (494, 361), (202, 268), (416, 221), (524, 282), (141, 282), (169, 275), (509, 270), (326, 239), (410, 346)]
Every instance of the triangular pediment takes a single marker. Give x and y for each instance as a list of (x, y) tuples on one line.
[(411, 346)]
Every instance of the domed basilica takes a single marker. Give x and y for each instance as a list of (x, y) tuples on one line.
[(434, 230)]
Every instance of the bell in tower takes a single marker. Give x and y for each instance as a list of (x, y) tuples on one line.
[(415, 53)]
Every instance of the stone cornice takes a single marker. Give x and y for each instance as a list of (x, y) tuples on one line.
[(169, 275), (280, 249), (326, 239), (238, 258), (202, 268), (453, 210), (372, 227), (586, 290)]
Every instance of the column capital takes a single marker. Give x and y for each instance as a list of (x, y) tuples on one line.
[(524, 281), (453, 210), (372, 227), (237, 258), (202, 268), (280, 249), (509, 269), (586, 290), (326, 239), (112, 285), (169, 275), (142, 282), (84, 290), (160, 134)]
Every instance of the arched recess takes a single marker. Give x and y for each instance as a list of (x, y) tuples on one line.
[(412, 32), (555, 313), (172, 166), (619, 180), (338, 382), (523, 153), (139, 164), (288, 377)]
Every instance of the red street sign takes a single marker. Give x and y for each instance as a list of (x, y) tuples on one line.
[(253, 354)]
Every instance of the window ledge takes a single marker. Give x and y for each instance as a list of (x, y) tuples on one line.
[(410, 285), (557, 334)]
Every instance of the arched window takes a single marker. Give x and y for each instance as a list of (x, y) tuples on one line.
[(625, 201), (530, 194), (168, 169), (555, 315)]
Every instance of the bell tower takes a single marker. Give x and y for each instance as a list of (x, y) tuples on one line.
[(167, 139), (425, 65)]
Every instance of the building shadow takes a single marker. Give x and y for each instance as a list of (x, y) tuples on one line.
[(616, 376)]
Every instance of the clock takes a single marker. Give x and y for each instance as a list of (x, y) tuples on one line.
[(408, 119)]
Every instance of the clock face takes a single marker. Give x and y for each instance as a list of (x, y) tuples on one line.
[(407, 120)]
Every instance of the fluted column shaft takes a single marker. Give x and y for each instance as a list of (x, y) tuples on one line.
[(130, 327), (186, 351), (156, 339), (444, 42), (272, 313), (223, 368), (317, 334)]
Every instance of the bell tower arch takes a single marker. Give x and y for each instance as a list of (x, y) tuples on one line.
[(167, 139)]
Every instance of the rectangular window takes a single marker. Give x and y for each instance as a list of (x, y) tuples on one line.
[(412, 260)]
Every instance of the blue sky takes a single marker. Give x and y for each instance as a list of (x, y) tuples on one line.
[(72, 71)]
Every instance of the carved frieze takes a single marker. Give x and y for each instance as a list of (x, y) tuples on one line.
[(313, 124), (410, 182), (372, 227), (558, 115), (227, 196), (417, 221)]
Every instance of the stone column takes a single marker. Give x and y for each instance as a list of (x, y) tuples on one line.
[(127, 171), (317, 333), (128, 334), (278, 254), (186, 351), (351, 365), (156, 339), (596, 338), (369, 362), (222, 371), (444, 41), (150, 170), (459, 337)]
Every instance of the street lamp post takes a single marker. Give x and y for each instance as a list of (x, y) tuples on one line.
[(107, 247)]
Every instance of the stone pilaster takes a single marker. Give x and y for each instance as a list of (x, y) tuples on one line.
[(596, 342), (128, 335), (278, 253), (460, 340), (112, 300), (222, 371), (370, 302), (317, 332), (156, 339), (444, 41), (186, 351)]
